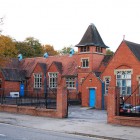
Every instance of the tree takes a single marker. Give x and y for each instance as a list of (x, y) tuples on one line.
[(36, 45), (25, 49), (65, 50), (50, 50), (7, 47), (109, 52)]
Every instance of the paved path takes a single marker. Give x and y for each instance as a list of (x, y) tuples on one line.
[(81, 121)]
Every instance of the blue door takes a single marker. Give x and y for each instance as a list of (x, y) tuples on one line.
[(92, 97), (21, 90)]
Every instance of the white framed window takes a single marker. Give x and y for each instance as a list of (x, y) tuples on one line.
[(70, 82), (84, 49), (107, 81), (53, 80), (99, 49), (37, 80), (123, 81), (85, 62)]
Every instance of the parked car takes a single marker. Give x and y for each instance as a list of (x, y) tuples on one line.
[(135, 109), (125, 108)]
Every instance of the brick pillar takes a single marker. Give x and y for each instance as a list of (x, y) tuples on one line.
[(62, 106), (111, 104)]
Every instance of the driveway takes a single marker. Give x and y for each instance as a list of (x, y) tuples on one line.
[(86, 114), (81, 121)]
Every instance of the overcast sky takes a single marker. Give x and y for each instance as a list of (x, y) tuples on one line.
[(63, 22)]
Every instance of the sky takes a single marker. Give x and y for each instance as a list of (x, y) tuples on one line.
[(62, 23)]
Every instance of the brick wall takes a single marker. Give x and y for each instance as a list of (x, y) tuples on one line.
[(122, 61), (60, 112), (10, 86), (112, 114), (29, 87), (94, 59)]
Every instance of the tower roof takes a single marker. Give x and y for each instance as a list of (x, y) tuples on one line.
[(91, 38)]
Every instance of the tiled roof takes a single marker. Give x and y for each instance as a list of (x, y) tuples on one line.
[(65, 64), (70, 69), (134, 47), (13, 74), (12, 63), (43, 67), (104, 62), (92, 38), (28, 65), (106, 59), (59, 66)]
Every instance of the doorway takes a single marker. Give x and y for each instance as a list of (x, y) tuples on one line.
[(92, 97)]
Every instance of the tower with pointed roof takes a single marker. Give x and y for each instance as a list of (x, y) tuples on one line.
[(91, 49), (91, 52)]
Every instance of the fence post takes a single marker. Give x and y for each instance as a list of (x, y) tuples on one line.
[(62, 105), (111, 104)]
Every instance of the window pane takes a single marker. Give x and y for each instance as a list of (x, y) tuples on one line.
[(70, 82), (118, 76), (53, 80), (128, 90), (37, 80), (119, 83), (123, 92), (85, 62), (128, 83), (123, 83)]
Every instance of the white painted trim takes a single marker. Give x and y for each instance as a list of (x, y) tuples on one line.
[(49, 78), (91, 87), (84, 58), (116, 70), (104, 77), (40, 82)]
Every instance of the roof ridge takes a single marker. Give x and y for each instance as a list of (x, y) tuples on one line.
[(134, 48), (131, 42)]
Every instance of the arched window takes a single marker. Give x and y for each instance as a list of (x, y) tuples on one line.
[(123, 81)]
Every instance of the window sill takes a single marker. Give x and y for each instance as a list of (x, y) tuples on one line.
[(98, 52), (37, 88), (85, 52), (85, 67), (71, 88)]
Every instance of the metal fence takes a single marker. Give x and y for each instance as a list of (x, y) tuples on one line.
[(128, 105), (30, 98), (37, 98)]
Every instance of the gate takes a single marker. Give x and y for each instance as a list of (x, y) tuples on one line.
[(128, 105)]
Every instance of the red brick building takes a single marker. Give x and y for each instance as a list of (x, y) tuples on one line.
[(81, 71), (122, 79), (10, 80), (124, 71)]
